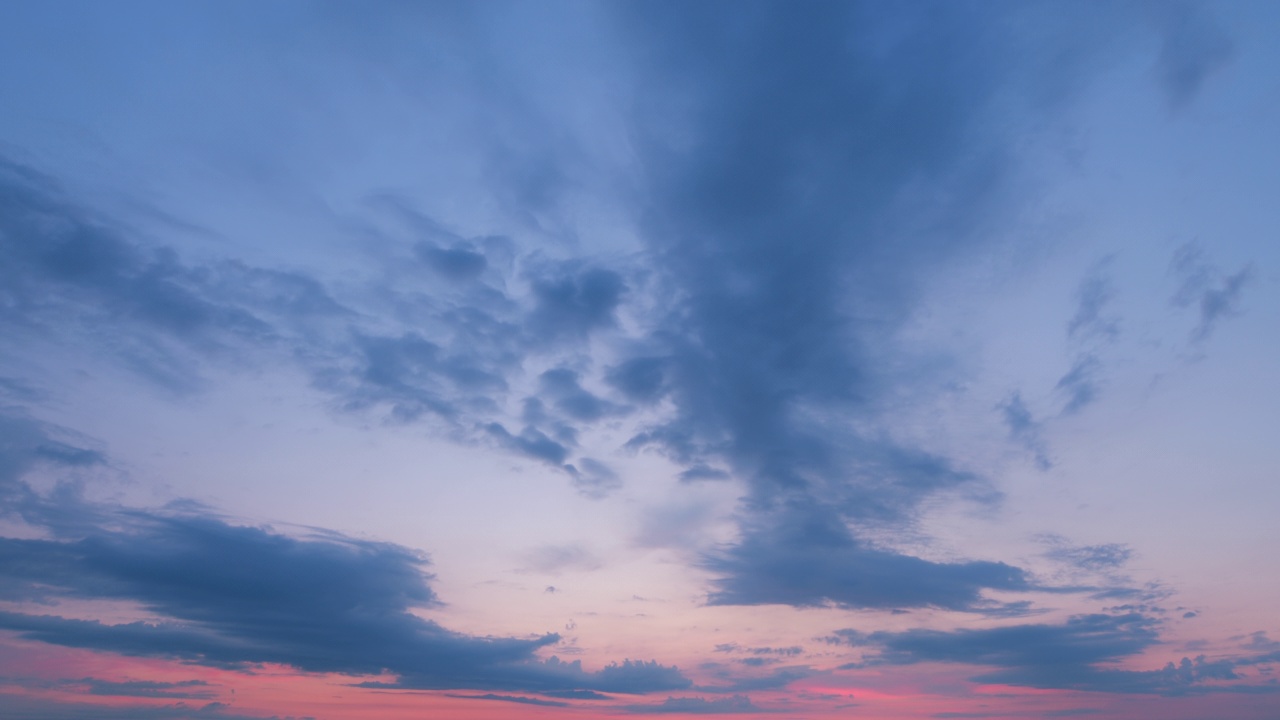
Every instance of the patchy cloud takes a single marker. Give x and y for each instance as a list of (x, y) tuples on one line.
[(1204, 287), (1076, 655), (1025, 429), (19, 707), (737, 704), (231, 596), (808, 559), (1093, 318), (1080, 384)]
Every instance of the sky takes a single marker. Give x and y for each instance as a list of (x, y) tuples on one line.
[(621, 359)]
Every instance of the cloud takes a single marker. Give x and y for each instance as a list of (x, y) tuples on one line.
[(1202, 285), (805, 178), (640, 379), (149, 688), (513, 699), (1193, 48), (571, 301), (19, 707), (1094, 558), (1080, 383), (561, 386), (776, 679), (531, 442), (27, 444), (460, 262), (1025, 429), (593, 478), (226, 595), (737, 704), (1078, 654), (181, 690), (554, 559), (1091, 319), (63, 266), (807, 558)]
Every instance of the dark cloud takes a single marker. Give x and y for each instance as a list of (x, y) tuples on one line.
[(576, 694), (640, 379), (456, 263), (1078, 654), (229, 596), (414, 376), (184, 689), (531, 442), (561, 386), (699, 472), (806, 172), (809, 559), (570, 302)]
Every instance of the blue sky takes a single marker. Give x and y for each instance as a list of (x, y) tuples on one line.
[(638, 358)]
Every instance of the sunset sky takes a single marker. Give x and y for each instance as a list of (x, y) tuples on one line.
[(885, 360)]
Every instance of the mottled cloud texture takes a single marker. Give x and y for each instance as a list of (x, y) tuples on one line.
[(781, 297)]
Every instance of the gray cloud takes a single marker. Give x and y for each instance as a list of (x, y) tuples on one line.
[(804, 181), (1075, 655), (229, 596), (1081, 383), (1095, 294), (804, 559), (1203, 286)]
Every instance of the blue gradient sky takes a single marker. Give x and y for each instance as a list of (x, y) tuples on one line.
[(604, 359)]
